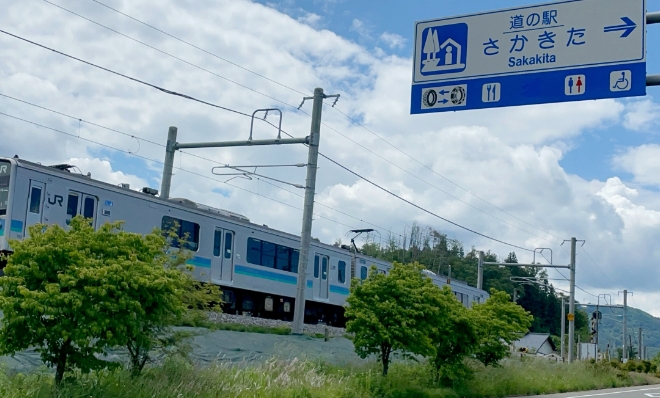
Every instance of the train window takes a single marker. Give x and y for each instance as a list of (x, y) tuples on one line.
[(316, 266), (282, 260), (254, 251), (184, 230), (88, 207), (268, 254), (5, 169), (229, 237), (363, 272), (72, 205), (271, 255), (35, 200), (324, 268), (217, 241), (341, 271)]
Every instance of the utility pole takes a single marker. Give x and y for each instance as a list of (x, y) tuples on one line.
[(639, 344), (308, 209), (515, 295), (170, 151), (571, 304), (563, 326), (480, 272), (625, 320)]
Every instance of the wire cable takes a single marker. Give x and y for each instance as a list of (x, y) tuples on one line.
[(200, 49), (159, 162), (599, 268), (187, 153), (169, 55), (245, 114), (421, 208), (326, 125)]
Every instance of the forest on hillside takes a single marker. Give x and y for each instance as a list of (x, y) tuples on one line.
[(443, 255)]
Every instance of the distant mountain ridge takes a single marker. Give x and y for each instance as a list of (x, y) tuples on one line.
[(611, 327)]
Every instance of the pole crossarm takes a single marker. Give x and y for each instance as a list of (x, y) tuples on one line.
[(224, 144), (528, 265)]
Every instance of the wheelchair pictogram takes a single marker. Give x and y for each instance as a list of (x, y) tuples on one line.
[(620, 80)]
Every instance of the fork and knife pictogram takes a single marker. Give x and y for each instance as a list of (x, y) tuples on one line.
[(493, 88)]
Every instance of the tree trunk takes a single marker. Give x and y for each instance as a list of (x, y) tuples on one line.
[(385, 356), (60, 367)]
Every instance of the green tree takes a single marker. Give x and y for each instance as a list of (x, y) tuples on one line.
[(393, 313), (73, 294), (500, 322), (455, 337)]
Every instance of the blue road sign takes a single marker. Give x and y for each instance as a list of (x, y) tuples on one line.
[(570, 50)]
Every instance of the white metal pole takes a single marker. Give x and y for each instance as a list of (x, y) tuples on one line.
[(571, 304), (308, 209), (166, 183), (563, 327), (480, 272), (625, 320)]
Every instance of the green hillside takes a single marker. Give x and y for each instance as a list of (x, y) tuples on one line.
[(611, 327)]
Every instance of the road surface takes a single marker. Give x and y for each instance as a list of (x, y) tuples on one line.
[(626, 392)]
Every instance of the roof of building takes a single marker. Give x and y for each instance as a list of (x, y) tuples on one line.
[(535, 341)]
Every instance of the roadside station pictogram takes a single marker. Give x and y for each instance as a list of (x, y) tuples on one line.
[(491, 92), (537, 54), (621, 80), (575, 85)]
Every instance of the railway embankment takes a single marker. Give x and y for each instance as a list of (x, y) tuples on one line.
[(314, 330)]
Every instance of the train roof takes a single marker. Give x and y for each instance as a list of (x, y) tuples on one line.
[(186, 204)]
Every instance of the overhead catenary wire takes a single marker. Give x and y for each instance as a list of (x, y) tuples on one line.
[(187, 153), (159, 162), (245, 114), (325, 124), (201, 49)]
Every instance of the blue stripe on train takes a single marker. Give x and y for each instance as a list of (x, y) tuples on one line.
[(339, 290), (200, 262), (16, 226), (261, 273)]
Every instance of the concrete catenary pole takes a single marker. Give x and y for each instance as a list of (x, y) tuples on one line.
[(571, 304), (480, 272), (625, 323), (308, 209), (639, 344), (169, 163), (563, 327)]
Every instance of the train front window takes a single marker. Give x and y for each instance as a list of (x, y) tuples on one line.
[(5, 169)]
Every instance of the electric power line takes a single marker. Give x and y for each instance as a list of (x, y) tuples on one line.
[(187, 153), (245, 114), (159, 162), (325, 124), (201, 49)]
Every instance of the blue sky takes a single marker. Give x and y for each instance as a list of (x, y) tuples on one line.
[(591, 155)]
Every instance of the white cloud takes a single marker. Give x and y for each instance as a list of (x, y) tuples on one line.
[(509, 157), (641, 115), (393, 40), (311, 19), (360, 28), (643, 162)]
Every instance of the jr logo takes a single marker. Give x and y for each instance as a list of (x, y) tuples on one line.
[(56, 199), (4, 169)]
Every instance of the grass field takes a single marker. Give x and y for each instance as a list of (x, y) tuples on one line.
[(177, 378)]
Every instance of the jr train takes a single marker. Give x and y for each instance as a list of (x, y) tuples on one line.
[(256, 266)]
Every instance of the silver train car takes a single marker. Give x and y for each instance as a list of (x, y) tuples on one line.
[(255, 266)]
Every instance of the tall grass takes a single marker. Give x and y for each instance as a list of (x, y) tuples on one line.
[(177, 378)]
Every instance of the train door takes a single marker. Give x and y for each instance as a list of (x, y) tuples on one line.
[(222, 265), (88, 210), (35, 204), (321, 268)]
